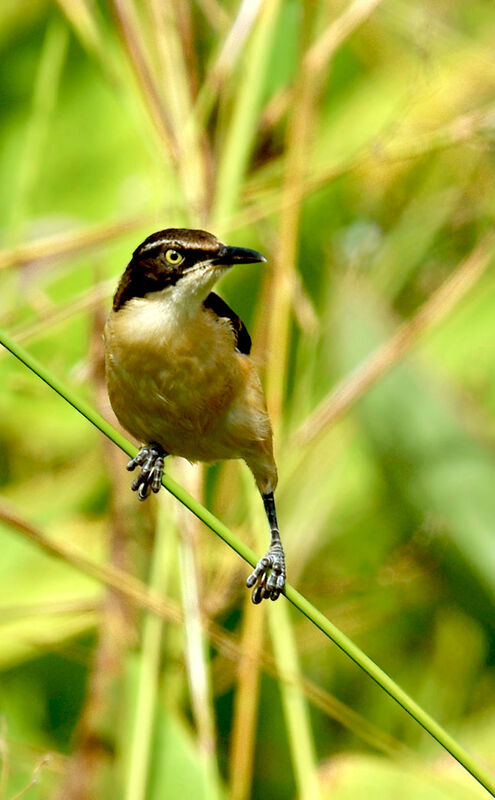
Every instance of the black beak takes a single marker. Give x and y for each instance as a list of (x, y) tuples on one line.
[(238, 255)]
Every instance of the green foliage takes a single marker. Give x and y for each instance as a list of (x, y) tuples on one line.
[(387, 513)]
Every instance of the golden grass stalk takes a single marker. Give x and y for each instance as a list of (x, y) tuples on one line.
[(378, 363), (301, 603)]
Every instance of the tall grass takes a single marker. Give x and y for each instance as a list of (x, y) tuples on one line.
[(350, 143)]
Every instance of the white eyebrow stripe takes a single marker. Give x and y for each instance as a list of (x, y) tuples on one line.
[(158, 243)]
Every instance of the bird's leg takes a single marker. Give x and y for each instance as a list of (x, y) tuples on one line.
[(268, 577), (151, 460)]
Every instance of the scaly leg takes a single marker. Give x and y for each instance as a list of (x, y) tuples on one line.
[(151, 460), (268, 577)]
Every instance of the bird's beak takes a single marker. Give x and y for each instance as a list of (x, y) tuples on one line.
[(237, 255)]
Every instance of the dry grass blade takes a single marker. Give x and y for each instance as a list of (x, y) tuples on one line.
[(238, 142), (65, 244), (197, 662), (246, 680), (79, 15), (139, 594), (35, 778), (86, 301), (319, 697), (227, 58), (264, 195), (368, 128), (461, 129), (130, 31), (284, 273), (215, 13), (299, 601), (246, 703), (141, 731), (177, 82), (83, 20), (56, 607), (319, 54), (91, 760), (354, 386), (235, 39), (294, 703), (110, 576)]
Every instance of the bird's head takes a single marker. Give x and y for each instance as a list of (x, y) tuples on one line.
[(180, 263)]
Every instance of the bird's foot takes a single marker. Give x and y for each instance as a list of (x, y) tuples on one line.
[(151, 460), (268, 577)]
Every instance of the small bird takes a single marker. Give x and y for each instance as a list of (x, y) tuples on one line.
[(179, 375)]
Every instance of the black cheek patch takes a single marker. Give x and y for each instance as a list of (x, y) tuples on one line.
[(143, 277)]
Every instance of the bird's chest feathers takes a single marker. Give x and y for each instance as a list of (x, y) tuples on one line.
[(172, 363), (164, 336)]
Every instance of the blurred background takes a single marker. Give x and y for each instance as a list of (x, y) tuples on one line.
[(352, 143)]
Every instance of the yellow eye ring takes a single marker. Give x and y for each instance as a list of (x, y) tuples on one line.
[(173, 257)]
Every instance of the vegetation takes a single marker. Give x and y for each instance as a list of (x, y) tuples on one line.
[(349, 142)]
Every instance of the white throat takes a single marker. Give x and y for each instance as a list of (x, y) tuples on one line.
[(165, 312)]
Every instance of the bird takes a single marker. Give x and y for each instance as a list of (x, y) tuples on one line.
[(179, 374)]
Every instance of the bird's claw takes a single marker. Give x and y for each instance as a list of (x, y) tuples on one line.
[(151, 460), (268, 577)]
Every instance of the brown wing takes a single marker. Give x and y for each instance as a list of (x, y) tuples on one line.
[(221, 309)]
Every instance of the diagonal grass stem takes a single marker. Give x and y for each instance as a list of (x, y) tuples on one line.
[(480, 773)]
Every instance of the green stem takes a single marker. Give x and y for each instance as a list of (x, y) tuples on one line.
[(149, 667), (305, 607), (198, 667), (294, 703), (300, 734), (243, 123)]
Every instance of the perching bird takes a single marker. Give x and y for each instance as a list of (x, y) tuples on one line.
[(179, 375)]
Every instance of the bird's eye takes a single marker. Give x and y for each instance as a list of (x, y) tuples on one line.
[(173, 257)]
